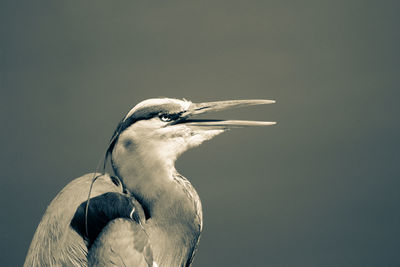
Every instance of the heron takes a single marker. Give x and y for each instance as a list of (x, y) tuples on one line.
[(146, 214)]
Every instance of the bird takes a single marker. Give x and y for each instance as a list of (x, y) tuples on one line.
[(145, 213)]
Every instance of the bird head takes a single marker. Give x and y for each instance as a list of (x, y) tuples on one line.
[(165, 128)]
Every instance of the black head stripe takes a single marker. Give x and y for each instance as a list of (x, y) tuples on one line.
[(145, 113)]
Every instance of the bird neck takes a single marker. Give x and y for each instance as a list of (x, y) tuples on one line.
[(171, 202), (146, 175)]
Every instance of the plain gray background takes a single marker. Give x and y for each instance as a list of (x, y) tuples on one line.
[(321, 188)]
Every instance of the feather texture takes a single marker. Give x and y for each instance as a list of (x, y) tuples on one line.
[(55, 242)]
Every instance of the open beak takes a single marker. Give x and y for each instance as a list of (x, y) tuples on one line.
[(200, 108)]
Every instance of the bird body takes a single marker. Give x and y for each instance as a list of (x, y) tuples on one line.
[(55, 243), (149, 215)]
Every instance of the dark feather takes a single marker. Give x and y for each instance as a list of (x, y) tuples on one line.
[(103, 209)]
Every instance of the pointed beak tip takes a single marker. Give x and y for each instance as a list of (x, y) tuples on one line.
[(267, 101), (268, 123)]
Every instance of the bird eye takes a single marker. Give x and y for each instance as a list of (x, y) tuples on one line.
[(165, 118)]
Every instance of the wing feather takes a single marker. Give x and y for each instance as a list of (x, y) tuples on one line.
[(122, 242)]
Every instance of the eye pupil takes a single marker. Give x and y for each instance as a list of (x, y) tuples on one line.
[(165, 118)]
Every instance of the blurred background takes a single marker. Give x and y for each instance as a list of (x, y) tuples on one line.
[(321, 188)]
